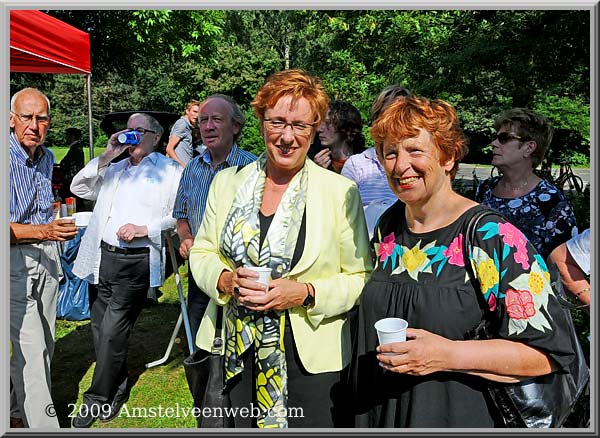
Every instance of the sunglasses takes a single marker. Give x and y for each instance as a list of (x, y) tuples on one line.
[(504, 137)]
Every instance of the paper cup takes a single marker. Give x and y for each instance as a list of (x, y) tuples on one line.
[(391, 330), (263, 272), (82, 219)]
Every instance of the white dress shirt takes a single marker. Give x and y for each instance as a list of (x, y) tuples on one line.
[(140, 195), (579, 247)]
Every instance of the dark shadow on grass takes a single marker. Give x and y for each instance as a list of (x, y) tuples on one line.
[(74, 354), (150, 338)]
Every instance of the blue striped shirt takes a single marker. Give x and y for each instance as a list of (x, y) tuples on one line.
[(369, 175), (195, 182), (30, 185)]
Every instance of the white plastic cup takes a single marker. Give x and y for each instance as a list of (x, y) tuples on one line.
[(82, 218), (69, 218), (391, 330), (263, 272)]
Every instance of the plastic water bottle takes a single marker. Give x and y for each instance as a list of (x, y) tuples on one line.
[(130, 137)]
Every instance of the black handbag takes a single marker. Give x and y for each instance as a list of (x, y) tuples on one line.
[(544, 401), (204, 372)]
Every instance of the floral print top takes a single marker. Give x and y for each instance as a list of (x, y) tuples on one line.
[(421, 277), (544, 215)]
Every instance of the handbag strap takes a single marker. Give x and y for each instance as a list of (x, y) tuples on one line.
[(218, 339), (468, 241), (488, 326)]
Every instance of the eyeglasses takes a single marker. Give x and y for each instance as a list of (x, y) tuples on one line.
[(504, 137), (28, 118), (143, 130), (299, 128)]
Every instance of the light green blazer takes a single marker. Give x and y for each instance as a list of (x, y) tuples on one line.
[(336, 260)]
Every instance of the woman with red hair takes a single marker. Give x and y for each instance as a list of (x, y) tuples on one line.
[(437, 378), (286, 343)]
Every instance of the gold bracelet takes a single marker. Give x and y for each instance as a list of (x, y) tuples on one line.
[(582, 291)]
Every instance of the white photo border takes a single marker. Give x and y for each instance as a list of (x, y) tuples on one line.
[(7, 5)]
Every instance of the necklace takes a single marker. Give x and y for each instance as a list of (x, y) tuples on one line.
[(515, 188)]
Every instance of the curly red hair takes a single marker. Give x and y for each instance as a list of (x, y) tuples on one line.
[(296, 83), (403, 118)]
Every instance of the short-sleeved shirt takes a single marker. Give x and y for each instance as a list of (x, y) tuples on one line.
[(195, 182), (544, 214), (184, 149), (30, 185), (579, 247)]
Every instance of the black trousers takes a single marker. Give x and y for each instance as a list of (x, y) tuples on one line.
[(115, 304), (314, 400), (197, 301)]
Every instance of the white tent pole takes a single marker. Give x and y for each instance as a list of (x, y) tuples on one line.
[(89, 99)]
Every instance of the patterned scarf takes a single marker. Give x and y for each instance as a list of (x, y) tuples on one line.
[(240, 243)]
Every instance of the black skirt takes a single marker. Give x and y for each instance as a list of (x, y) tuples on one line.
[(314, 400)]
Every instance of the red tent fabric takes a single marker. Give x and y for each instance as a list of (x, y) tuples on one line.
[(40, 43)]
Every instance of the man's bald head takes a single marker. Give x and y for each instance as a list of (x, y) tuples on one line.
[(30, 118)]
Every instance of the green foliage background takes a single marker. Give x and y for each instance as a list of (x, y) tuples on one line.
[(482, 61)]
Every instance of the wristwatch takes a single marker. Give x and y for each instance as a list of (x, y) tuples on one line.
[(309, 300)]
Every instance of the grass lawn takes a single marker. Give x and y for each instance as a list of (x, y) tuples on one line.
[(164, 385), (60, 152)]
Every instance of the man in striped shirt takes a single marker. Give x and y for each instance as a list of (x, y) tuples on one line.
[(34, 261), (221, 122)]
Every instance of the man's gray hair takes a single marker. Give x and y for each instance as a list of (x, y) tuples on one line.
[(237, 116), (27, 90)]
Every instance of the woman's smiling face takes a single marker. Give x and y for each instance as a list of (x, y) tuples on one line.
[(287, 150), (413, 168)]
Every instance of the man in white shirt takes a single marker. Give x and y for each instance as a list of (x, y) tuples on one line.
[(121, 254)]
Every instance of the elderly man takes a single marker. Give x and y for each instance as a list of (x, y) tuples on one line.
[(221, 123), (121, 253), (34, 260), (181, 141)]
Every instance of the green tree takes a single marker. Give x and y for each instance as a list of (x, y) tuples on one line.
[(482, 61)]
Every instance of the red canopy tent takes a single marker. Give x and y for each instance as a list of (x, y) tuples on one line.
[(40, 43)]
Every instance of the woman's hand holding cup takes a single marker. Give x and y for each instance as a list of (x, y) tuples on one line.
[(248, 281)]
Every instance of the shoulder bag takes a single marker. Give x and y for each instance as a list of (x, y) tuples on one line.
[(205, 374), (540, 402)]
